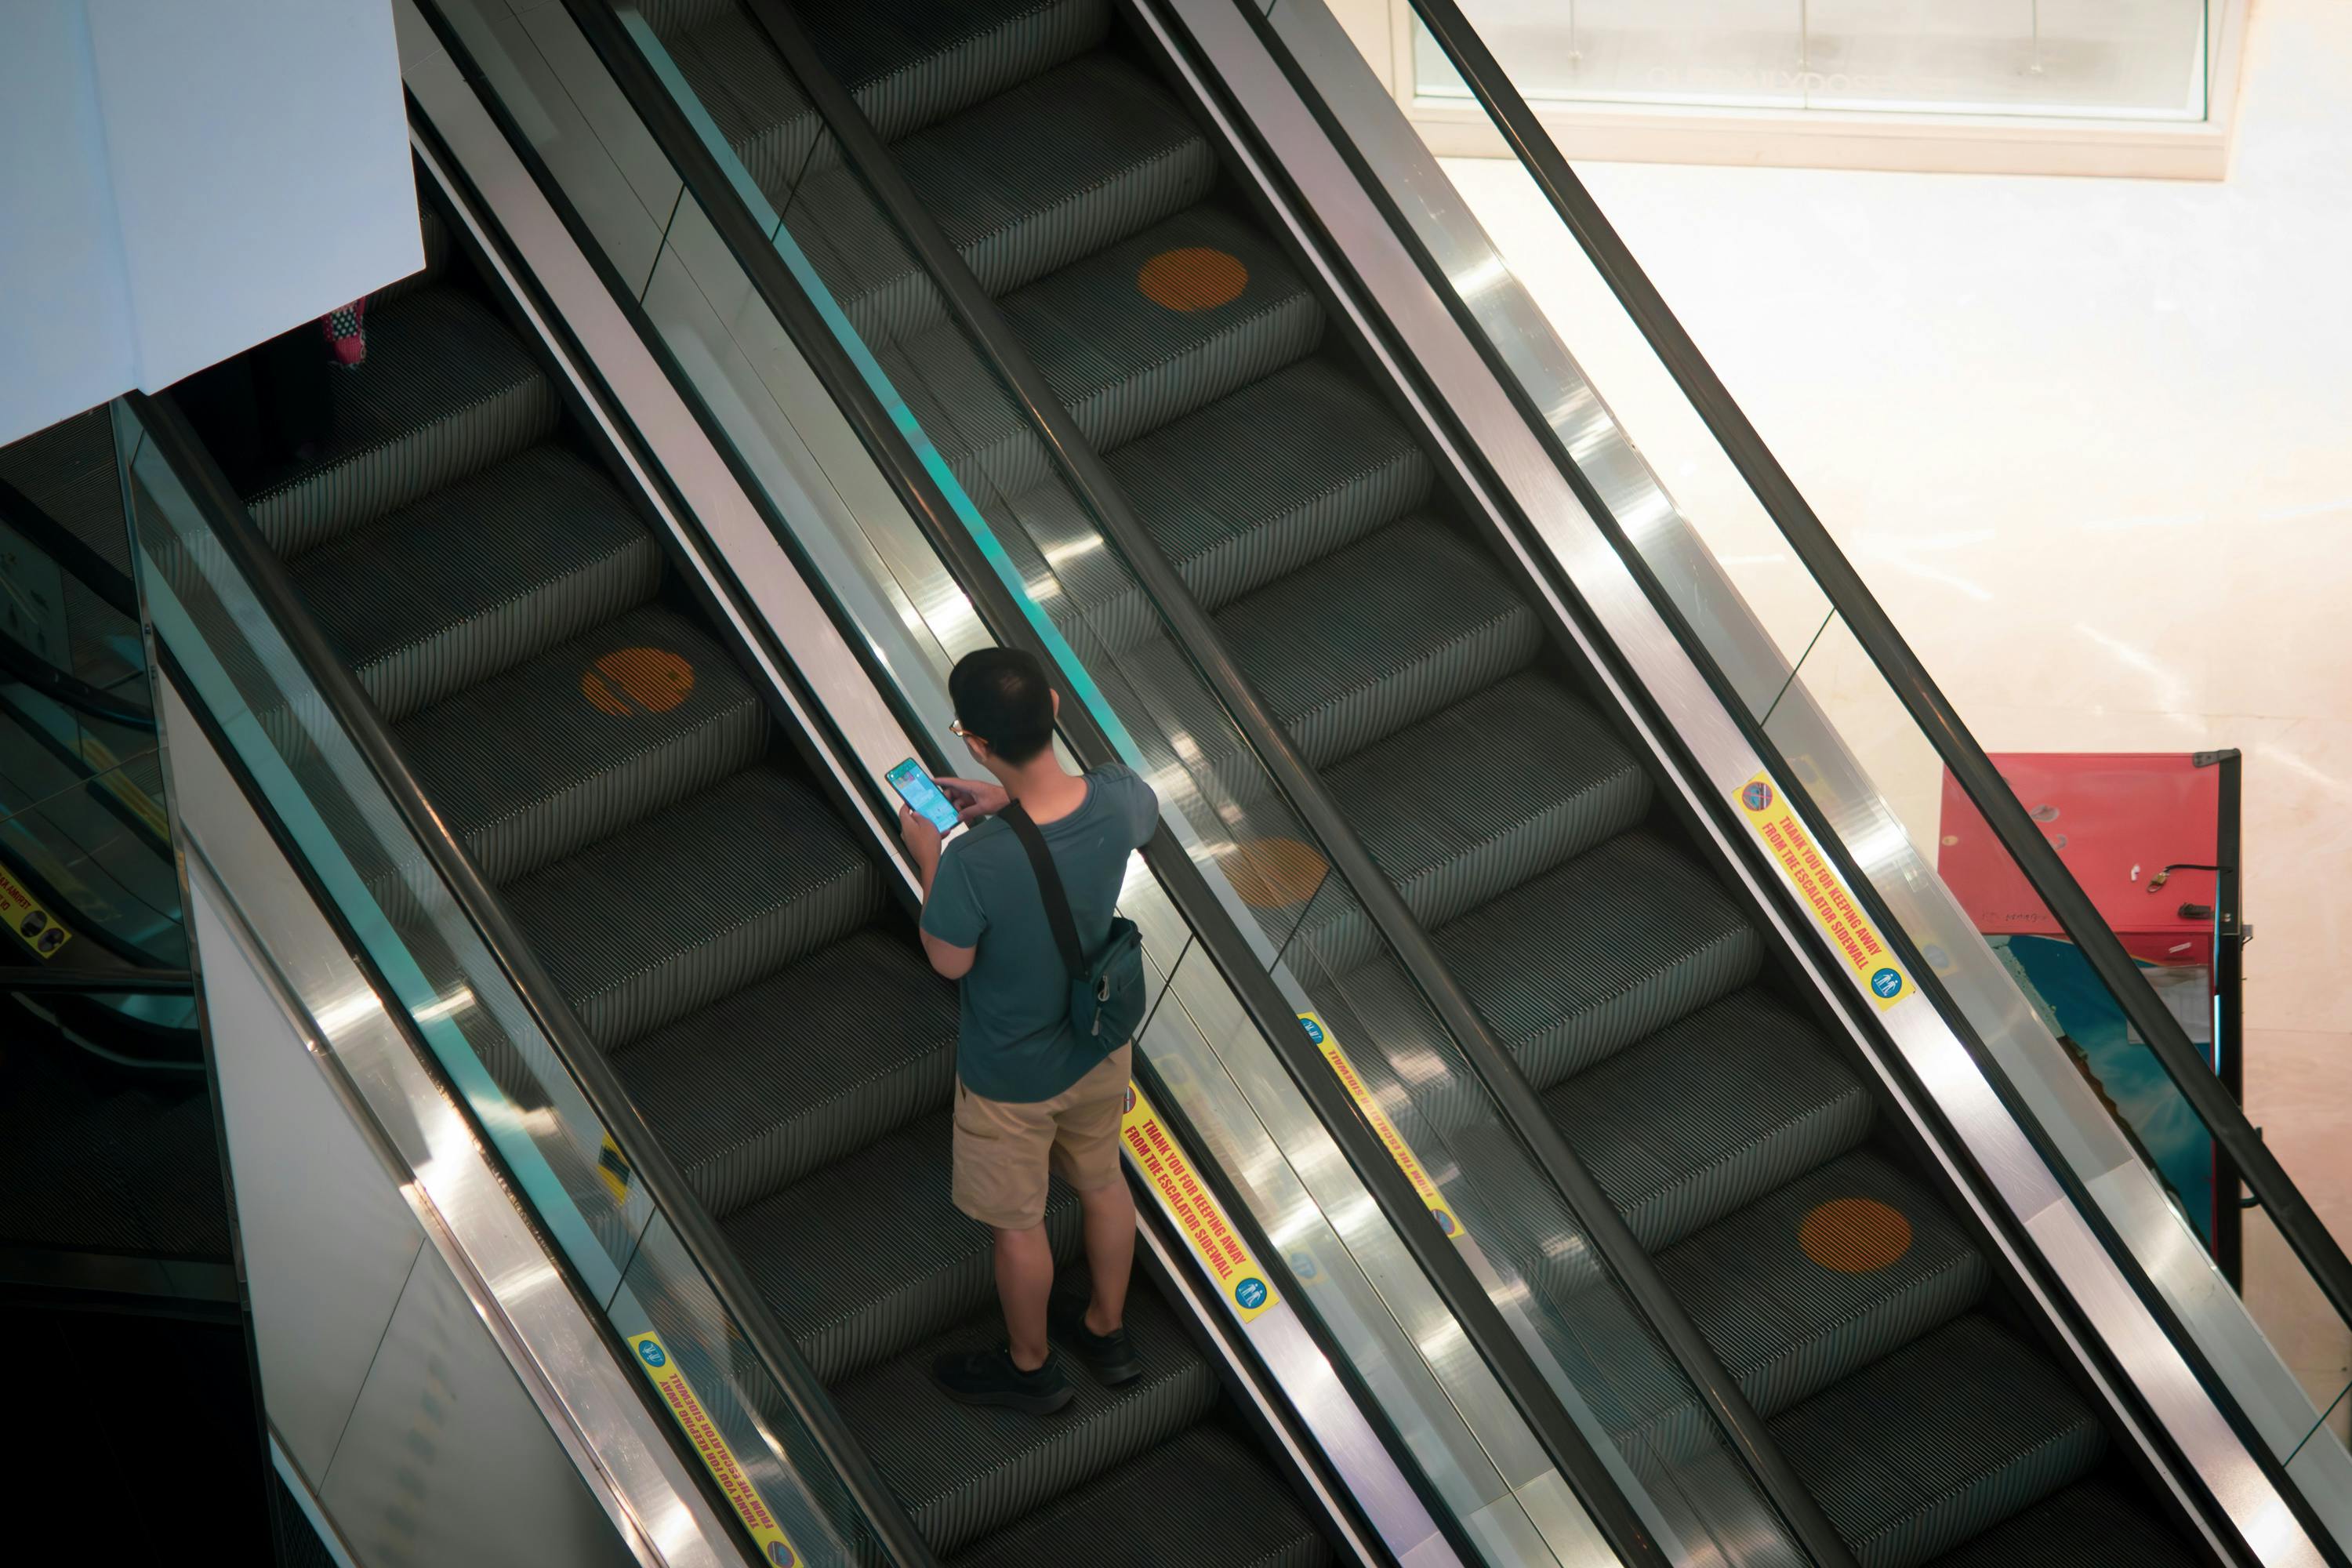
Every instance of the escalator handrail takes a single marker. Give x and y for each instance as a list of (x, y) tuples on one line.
[(69, 689), (349, 706), (919, 491), (101, 578), (1083, 467), (16, 978), (2315, 1246)]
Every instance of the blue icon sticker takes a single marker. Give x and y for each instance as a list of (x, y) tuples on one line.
[(1444, 1221), (780, 1554), (1314, 1029), (1250, 1294), (1757, 795), (1888, 984), (652, 1354)]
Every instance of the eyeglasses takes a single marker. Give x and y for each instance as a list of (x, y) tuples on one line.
[(955, 728)]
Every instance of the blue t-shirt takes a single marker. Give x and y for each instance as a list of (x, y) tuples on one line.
[(1014, 1041)]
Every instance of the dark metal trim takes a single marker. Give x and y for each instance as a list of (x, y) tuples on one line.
[(2314, 1248), (2230, 938), (69, 689), (101, 576), (241, 543), (110, 982)]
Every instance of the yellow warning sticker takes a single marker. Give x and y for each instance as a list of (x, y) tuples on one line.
[(30, 919), (717, 1457), (116, 781), (1368, 1103), (1816, 881), (1196, 1213), (613, 1170)]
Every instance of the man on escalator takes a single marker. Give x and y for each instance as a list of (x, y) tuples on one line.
[(1033, 1094)]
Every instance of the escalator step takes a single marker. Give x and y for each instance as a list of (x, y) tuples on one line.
[(1256, 485), (1030, 181), (1476, 799), (1675, 942), (478, 576), (446, 390), (1948, 1436), (1820, 1278), (1710, 1114), (911, 62), (2094, 1523), (1119, 369), (906, 65), (673, 913), (587, 737), (1405, 624), (964, 1470), (806, 1067), (1205, 1489), (1281, 473), (869, 1255)]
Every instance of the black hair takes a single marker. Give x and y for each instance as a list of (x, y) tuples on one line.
[(1002, 696)]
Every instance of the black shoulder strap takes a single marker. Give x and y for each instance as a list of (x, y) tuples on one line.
[(1049, 888)]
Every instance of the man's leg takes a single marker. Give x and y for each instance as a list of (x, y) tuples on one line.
[(1024, 1279), (1109, 1212), (1001, 1152)]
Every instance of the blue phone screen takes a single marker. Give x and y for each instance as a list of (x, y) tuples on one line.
[(916, 788)]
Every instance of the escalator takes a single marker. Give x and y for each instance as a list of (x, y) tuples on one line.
[(725, 934), (1754, 1159), (107, 1148)]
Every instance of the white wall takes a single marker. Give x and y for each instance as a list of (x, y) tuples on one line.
[(185, 178)]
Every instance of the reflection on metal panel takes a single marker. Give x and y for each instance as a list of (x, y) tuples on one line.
[(428, 1158), (327, 1243), (447, 1461)]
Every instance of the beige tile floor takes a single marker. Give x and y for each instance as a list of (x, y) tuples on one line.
[(2090, 442)]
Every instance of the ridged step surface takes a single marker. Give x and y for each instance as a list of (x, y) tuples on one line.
[(2094, 1523), (802, 1068), (1949, 1436), (1705, 1116), (893, 1261), (472, 579), (1205, 1489), (446, 390), (1383, 652), (1054, 170), (592, 735), (1823, 1277), (1667, 942), (674, 913), (963, 1471)]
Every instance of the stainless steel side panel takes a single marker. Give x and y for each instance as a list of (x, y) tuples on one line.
[(430, 1375)]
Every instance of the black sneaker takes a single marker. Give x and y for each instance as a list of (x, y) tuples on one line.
[(989, 1377), (1110, 1357)]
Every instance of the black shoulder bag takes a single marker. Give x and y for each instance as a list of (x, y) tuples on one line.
[(1106, 990)]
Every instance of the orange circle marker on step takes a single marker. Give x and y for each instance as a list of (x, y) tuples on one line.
[(1854, 1236), (631, 680), (1193, 279), (1270, 873)]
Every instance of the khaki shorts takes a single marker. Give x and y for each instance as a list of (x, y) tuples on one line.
[(1002, 1151)]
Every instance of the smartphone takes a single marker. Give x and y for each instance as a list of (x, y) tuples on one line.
[(916, 788)]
